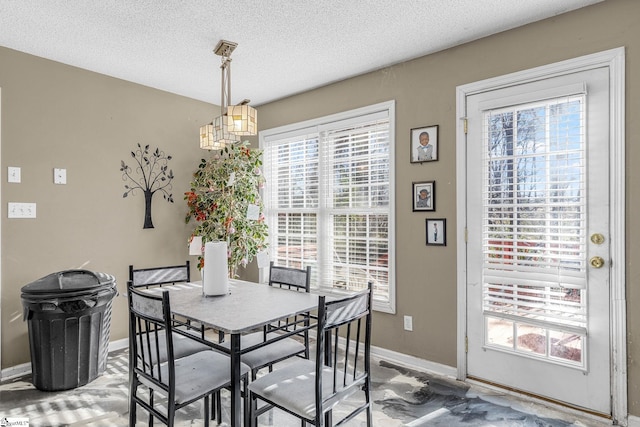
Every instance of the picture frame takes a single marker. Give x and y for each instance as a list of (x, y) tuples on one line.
[(419, 154), (436, 231), (424, 196)]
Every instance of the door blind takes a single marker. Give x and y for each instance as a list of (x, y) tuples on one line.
[(534, 214)]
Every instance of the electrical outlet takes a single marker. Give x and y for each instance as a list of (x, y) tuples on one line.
[(408, 323), (22, 210)]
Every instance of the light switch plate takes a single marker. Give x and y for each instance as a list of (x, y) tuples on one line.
[(13, 174), (408, 323), (59, 176)]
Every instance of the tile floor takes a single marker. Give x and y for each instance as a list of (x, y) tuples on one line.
[(401, 396)]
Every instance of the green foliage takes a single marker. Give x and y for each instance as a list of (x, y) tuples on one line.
[(222, 189)]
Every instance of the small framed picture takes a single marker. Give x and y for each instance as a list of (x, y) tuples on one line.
[(424, 144), (424, 196), (437, 231)]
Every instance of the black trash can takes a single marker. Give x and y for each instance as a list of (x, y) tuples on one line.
[(69, 319)]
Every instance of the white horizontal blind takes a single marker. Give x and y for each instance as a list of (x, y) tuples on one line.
[(534, 207), (292, 199), (355, 215), (327, 200)]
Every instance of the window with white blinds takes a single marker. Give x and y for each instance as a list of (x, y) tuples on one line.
[(534, 225), (329, 201)]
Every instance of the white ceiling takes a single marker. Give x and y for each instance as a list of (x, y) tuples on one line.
[(284, 46)]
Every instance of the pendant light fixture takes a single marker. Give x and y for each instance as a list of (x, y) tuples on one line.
[(234, 120)]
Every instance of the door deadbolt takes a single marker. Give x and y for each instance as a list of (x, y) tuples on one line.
[(597, 238), (596, 262)]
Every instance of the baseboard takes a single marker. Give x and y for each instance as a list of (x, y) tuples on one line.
[(404, 359), (15, 371), (414, 362), (391, 356), (25, 368), (119, 344)]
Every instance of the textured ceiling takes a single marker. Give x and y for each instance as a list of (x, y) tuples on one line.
[(284, 46)]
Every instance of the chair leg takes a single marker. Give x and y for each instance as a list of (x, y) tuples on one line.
[(246, 401), (213, 406), (328, 418), (150, 404), (206, 411), (133, 415), (253, 408), (367, 396), (218, 407), (171, 414)]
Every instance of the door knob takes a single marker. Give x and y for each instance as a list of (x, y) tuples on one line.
[(596, 262), (597, 238)]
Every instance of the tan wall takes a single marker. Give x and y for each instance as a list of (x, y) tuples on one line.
[(424, 91), (59, 116)]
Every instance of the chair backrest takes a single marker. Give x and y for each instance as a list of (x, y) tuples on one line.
[(347, 321), (290, 278), (158, 276), (296, 280), (150, 339)]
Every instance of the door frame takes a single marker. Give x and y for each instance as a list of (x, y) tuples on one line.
[(614, 59)]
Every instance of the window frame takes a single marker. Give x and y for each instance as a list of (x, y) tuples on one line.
[(319, 125)]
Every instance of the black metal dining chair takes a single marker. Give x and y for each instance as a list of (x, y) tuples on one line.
[(153, 363), (182, 345), (172, 275), (293, 331), (309, 389)]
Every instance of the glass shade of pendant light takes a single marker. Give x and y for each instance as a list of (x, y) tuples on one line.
[(242, 119), (206, 138), (221, 133), (213, 136)]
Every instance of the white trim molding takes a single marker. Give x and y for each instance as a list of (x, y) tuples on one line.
[(413, 362), (633, 421), (614, 59), (25, 368)]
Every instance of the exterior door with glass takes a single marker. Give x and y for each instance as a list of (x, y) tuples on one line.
[(538, 282)]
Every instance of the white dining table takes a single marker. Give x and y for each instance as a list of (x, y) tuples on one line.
[(247, 307)]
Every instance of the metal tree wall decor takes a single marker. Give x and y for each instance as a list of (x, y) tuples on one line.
[(156, 176)]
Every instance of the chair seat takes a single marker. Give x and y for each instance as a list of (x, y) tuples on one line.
[(197, 373), (293, 387), (268, 354), (182, 346)]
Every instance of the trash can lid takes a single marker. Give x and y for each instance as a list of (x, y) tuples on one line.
[(68, 281)]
